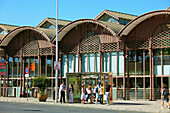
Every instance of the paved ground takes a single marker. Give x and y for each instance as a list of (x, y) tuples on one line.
[(144, 106), (13, 107)]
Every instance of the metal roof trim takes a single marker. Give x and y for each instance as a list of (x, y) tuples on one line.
[(132, 24), (14, 32), (63, 31)]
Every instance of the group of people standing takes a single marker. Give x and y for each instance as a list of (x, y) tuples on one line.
[(62, 92), (97, 93)]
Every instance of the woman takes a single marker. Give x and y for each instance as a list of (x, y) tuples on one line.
[(90, 92), (71, 90), (164, 96), (83, 95), (101, 94)]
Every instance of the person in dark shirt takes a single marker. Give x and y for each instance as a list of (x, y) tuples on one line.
[(107, 87)]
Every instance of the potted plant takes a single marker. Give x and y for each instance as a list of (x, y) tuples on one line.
[(41, 82)]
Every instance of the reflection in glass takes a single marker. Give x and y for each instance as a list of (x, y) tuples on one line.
[(131, 62), (147, 62), (157, 61), (139, 62), (49, 66), (10, 67), (15, 67)]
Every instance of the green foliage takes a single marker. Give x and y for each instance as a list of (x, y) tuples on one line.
[(41, 82)]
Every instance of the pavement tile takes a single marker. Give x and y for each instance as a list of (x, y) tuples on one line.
[(123, 105)]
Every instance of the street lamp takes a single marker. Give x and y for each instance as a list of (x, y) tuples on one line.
[(56, 79)]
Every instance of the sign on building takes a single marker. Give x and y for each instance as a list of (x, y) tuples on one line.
[(57, 65), (2, 67)]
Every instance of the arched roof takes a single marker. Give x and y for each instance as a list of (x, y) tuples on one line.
[(47, 33), (113, 28), (132, 24)]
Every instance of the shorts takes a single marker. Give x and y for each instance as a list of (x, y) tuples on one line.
[(165, 99), (97, 95)]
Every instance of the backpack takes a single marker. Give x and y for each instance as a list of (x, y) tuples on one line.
[(165, 93), (97, 89)]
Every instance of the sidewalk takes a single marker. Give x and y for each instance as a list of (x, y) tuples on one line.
[(143, 106)]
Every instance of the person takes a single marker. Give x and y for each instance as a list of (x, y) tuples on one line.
[(83, 95), (89, 95), (71, 91), (108, 87), (164, 96), (100, 91), (96, 90), (63, 89)]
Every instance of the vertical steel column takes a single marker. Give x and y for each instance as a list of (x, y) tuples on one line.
[(144, 94), (124, 77), (128, 85), (135, 75), (117, 74), (21, 66), (150, 54), (46, 65), (161, 67)]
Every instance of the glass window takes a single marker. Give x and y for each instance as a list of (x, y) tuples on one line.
[(19, 67), (120, 63), (64, 65), (14, 82), (147, 63), (32, 67), (105, 62), (91, 62), (49, 66), (132, 82), (122, 21), (97, 62), (113, 63), (76, 63), (70, 63), (36, 66), (139, 82), (10, 67), (157, 61), (15, 67), (139, 62), (147, 82), (131, 62), (43, 63), (166, 61), (84, 63)]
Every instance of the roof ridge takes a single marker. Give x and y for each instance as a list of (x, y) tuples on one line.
[(121, 12), (10, 25), (58, 19)]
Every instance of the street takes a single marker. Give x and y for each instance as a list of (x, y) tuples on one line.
[(12, 107)]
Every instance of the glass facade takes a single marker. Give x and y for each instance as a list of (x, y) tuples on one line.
[(166, 61)]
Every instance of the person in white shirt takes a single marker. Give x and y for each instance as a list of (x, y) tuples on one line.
[(62, 88)]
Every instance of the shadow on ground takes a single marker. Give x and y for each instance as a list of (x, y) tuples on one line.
[(122, 103)]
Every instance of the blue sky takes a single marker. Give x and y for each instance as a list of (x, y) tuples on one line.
[(32, 12)]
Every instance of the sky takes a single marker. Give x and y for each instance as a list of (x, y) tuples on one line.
[(32, 12)]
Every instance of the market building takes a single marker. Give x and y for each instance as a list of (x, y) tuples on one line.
[(136, 49)]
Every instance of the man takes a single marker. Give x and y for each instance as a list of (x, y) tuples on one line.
[(96, 90), (62, 88), (108, 87)]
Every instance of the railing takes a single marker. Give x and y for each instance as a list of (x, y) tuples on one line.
[(8, 91)]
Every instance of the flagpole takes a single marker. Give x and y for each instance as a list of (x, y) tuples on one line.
[(56, 79)]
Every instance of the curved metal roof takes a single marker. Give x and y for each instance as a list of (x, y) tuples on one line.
[(8, 28), (47, 33), (132, 24), (112, 27)]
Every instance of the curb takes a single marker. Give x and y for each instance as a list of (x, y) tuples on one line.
[(98, 106)]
